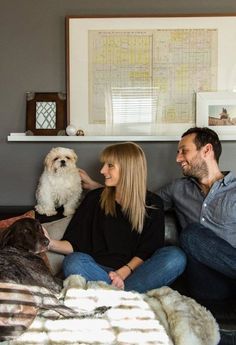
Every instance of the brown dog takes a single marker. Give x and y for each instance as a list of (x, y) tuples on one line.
[(20, 261)]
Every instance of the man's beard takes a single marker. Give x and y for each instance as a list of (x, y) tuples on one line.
[(197, 169)]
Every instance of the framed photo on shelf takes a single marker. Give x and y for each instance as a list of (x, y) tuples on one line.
[(46, 113), (217, 110), (138, 76)]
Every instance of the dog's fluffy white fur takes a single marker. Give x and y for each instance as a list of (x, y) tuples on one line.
[(60, 183)]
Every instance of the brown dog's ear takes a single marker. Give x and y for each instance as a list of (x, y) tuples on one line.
[(5, 237)]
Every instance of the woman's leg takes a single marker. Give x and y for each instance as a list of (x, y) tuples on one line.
[(84, 265), (162, 268)]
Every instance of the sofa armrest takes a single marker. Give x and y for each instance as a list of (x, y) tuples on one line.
[(171, 228)]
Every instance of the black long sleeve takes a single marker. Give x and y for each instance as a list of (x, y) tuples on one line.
[(111, 240)]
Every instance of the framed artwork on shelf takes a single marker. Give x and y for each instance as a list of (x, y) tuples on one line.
[(138, 76), (46, 113), (217, 110)]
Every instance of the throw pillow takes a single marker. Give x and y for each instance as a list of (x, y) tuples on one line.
[(7, 222), (56, 231)]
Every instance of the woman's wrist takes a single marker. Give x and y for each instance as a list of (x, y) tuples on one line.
[(52, 246), (60, 246), (95, 185), (130, 268), (124, 272)]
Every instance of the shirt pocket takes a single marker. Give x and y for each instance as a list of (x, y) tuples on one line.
[(222, 211)]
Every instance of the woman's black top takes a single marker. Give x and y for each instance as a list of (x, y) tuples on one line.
[(110, 240)]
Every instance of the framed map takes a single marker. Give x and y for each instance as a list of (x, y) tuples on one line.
[(138, 76)]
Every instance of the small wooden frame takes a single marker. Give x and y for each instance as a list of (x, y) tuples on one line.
[(45, 112)]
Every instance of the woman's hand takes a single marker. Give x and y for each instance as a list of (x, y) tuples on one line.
[(58, 246), (116, 279), (87, 182), (47, 236)]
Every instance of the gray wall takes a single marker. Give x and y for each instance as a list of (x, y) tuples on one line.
[(32, 57)]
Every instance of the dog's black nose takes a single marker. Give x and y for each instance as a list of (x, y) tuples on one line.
[(63, 162)]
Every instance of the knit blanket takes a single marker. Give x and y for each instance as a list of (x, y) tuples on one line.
[(95, 313)]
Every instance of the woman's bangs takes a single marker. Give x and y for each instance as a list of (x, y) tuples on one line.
[(108, 156)]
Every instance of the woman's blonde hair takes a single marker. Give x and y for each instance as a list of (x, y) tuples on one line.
[(132, 183)]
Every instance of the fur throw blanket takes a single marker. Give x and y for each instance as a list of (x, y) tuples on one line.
[(109, 316)]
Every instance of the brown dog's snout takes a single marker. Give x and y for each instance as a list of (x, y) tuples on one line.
[(45, 241)]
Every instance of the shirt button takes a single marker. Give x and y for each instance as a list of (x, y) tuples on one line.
[(205, 205), (203, 219)]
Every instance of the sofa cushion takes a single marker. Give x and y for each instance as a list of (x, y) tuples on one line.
[(7, 222), (56, 231)]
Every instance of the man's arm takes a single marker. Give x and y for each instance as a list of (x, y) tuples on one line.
[(166, 195)]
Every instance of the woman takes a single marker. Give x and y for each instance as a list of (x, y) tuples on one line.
[(117, 233)]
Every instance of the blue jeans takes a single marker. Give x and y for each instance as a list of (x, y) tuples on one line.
[(211, 263), (162, 268)]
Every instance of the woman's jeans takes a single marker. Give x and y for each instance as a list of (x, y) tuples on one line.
[(162, 268), (211, 263)]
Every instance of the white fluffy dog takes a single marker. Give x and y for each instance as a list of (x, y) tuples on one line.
[(60, 183)]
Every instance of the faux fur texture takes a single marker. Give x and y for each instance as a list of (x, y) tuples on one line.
[(160, 317), (186, 321), (21, 303)]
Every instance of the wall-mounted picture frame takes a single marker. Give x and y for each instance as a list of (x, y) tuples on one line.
[(46, 113), (217, 110), (138, 76)]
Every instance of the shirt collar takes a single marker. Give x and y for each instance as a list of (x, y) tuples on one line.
[(228, 177)]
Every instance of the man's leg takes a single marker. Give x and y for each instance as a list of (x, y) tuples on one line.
[(211, 264)]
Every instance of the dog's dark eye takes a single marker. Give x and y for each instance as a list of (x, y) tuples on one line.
[(55, 159), (67, 157)]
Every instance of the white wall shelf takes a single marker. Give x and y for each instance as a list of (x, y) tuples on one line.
[(47, 138), (62, 138)]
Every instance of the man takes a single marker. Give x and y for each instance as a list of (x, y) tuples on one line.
[(205, 204), (204, 201)]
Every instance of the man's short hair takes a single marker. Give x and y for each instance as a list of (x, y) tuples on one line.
[(205, 135)]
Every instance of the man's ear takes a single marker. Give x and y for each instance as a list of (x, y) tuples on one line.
[(208, 150)]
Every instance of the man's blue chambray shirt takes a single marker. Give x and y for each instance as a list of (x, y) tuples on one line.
[(216, 210)]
